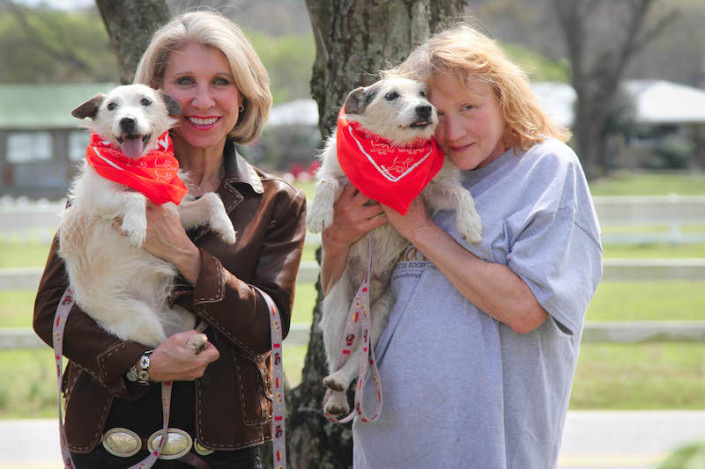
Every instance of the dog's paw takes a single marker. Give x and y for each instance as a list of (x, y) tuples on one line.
[(472, 232), (334, 383), (468, 221), (337, 405), (319, 221), (197, 344), (134, 227), (220, 223), (226, 231)]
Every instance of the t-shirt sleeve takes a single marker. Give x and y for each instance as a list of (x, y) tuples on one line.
[(561, 261)]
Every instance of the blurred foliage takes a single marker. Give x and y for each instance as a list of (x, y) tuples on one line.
[(289, 60), (53, 46), (48, 46), (673, 152), (538, 67)]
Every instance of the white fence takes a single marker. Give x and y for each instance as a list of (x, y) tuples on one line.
[(663, 219), (670, 219)]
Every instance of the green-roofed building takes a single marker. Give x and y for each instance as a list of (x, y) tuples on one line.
[(40, 141)]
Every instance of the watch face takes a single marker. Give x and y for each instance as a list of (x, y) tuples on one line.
[(144, 362)]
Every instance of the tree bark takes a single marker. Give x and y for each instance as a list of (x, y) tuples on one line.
[(354, 40), (131, 32)]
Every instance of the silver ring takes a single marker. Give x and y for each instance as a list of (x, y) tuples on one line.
[(121, 442), (178, 443)]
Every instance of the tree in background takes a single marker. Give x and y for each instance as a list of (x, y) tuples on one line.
[(354, 40), (130, 26), (40, 45), (598, 66)]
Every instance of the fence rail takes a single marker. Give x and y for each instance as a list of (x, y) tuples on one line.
[(672, 215), (614, 270), (39, 220), (594, 332)]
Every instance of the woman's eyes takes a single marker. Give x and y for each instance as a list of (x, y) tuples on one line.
[(183, 81)]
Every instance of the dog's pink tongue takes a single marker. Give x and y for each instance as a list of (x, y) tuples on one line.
[(132, 147)]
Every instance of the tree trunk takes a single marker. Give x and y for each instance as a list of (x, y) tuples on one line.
[(354, 40), (597, 68), (130, 33)]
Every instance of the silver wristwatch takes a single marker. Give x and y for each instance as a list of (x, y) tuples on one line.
[(140, 375)]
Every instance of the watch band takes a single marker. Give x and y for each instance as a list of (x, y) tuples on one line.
[(141, 374)]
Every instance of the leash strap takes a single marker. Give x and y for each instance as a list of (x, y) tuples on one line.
[(277, 385), (359, 324), (62, 313)]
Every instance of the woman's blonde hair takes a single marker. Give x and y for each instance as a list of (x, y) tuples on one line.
[(211, 29), (464, 52)]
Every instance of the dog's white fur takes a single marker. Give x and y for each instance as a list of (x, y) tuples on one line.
[(116, 281), (389, 108)]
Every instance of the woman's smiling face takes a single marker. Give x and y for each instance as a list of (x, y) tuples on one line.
[(200, 79), (470, 126)]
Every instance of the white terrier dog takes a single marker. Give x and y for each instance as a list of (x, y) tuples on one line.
[(116, 281), (397, 110)]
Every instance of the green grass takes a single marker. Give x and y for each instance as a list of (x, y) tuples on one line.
[(31, 393), (651, 183), (608, 376), (648, 301), (653, 251), (644, 376), (637, 183), (33, 254)]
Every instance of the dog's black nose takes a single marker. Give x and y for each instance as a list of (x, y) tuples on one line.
[(423, 111), (128, 124)]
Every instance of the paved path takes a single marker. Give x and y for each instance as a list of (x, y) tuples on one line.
[(592, 440)]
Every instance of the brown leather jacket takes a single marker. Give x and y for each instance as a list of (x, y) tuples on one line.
[(233, 401)]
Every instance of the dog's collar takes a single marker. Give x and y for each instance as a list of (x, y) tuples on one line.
[(389, 174)]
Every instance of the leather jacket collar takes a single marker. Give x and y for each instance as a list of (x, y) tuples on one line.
[(239, 171)]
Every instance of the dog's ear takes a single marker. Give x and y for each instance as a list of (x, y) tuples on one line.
[(89, 108), (172, 105), (358, 99)]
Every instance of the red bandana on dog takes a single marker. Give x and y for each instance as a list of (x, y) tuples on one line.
[(391, 175), (154, 175)]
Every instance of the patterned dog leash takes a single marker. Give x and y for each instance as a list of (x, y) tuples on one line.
[(62, 313), (359, 324), (279, 403)]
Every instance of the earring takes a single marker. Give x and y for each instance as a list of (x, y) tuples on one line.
[(241, 108)]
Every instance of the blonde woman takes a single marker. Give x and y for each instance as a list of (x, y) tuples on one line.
[(478, 358), (219, 398)]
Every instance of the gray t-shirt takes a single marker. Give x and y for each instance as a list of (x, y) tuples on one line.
[(462, 390)]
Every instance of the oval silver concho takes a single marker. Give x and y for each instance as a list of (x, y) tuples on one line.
[(177, 444), (121, 442)]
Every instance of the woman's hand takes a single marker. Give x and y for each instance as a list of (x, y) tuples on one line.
[(167, 240), (352, 220), (172, 360), (414, 222)]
